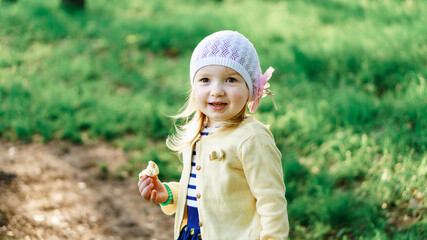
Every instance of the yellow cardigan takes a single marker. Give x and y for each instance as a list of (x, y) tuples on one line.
[(240, 182)]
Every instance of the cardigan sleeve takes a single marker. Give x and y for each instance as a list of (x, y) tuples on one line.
[(171, 207), (261, 161)]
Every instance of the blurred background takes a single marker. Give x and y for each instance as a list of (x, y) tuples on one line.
[(350, 83)]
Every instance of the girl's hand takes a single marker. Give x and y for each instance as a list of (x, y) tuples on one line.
[(152, 190)]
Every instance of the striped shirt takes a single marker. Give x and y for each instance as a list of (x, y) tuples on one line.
[(193, 214)]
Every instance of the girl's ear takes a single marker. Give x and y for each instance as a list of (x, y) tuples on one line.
[(247, 87)]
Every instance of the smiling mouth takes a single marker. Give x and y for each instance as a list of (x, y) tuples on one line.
[(217, 104)]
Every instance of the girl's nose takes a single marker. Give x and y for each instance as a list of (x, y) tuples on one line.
[(217, 89)]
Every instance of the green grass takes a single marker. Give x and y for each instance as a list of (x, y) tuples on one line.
[(350, 78)]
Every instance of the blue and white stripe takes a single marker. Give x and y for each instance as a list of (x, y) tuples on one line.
[(193, 216), (192, 192)]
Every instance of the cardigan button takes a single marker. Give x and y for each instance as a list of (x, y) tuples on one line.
[(198, 195), (200, 224), (198, 167)]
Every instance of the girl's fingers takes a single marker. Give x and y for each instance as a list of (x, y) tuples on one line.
[(141, 180), (153, 196), (147, 188), (143, 184), (146, 192)]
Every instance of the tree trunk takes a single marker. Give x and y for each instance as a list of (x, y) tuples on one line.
[(73, 4)]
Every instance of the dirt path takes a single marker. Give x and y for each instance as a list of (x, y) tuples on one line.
[(55, 191)]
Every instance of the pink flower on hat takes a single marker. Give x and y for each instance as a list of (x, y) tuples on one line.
[(261, 90)]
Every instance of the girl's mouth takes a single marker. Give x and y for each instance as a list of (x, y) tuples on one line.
[(217, 105)]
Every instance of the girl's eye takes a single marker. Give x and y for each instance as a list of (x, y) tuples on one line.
[(231, 80), (205, 80)]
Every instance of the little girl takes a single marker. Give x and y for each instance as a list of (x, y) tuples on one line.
[(231, 185)]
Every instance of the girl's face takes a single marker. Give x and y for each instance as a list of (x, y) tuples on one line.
[(220, 93)]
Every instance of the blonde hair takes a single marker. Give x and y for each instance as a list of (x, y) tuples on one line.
[(192, 123)]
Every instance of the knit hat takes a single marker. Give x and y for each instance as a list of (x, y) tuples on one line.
[(232, 49)]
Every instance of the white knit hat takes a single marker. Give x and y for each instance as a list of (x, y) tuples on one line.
[(230, 49)]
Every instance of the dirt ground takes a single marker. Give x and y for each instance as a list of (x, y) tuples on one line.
[(56, 191)]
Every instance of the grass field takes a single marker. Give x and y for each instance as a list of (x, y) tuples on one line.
[(350, 80)]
